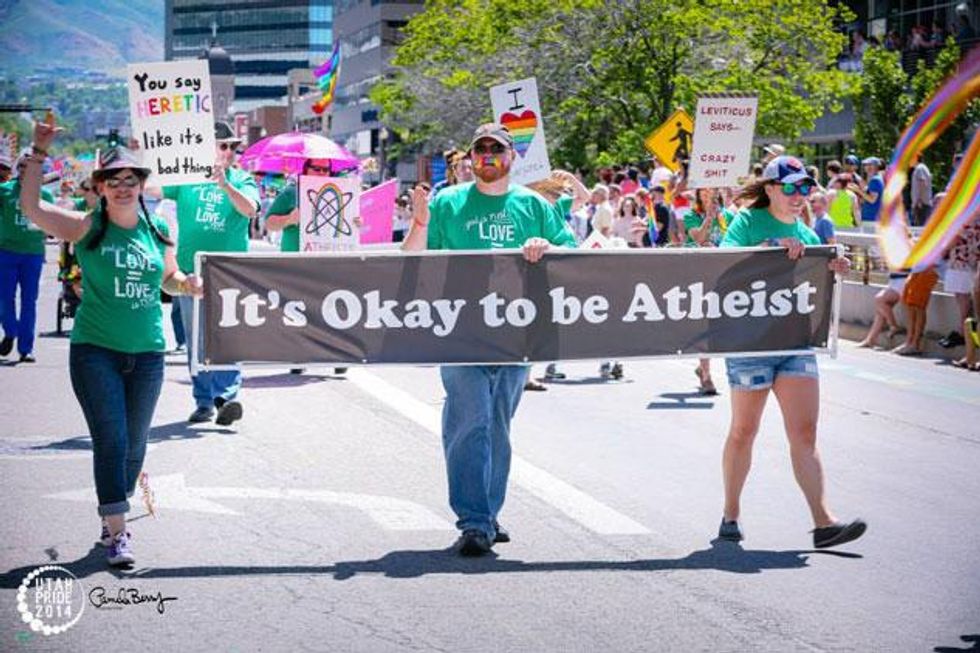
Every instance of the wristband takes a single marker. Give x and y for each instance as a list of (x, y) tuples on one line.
[(38, 150)]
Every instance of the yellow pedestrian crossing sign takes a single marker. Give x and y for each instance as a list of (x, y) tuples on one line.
[(671, 141)]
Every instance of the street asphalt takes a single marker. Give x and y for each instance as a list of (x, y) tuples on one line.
[(320, 521)]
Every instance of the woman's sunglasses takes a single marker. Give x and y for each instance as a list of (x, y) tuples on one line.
[(131, 181), (224, 147), (792, 189), (323, 170)]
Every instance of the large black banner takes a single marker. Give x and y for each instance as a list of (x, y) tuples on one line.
[(453, 307)]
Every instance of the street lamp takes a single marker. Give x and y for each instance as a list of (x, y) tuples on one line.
[(383, 164)]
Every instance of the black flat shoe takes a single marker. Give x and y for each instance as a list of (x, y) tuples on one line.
[(838, 534)]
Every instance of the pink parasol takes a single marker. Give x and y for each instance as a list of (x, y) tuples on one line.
[(285, 154)]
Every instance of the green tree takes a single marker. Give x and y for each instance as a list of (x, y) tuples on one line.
[(924, 83), (887, 99), (609, 73), (882, 105)]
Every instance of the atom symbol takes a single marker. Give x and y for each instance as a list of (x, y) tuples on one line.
[(328, 211)]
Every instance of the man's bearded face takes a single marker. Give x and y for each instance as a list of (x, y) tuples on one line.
[(491, 160)]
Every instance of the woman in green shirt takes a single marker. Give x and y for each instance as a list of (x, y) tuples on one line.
[(283, 214), (775, 203), (117, 343), (704, 226)]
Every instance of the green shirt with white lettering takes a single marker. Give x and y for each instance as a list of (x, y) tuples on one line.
[(284, 203), (120, 308), (207, 221), (464, 218), (755, 227), (17, 233)]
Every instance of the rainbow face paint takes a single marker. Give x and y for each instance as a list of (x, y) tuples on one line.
[(962, 202)]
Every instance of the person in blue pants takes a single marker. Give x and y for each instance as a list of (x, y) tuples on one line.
[(21, 261)]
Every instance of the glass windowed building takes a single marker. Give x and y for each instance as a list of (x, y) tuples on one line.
[(368, 32), (265, 39)]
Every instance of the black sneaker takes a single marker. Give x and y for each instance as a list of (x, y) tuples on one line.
[(473, 543), (228, 412), (551, 373), (617, 371), (201, 414), (729, 530), (6, 345), (502, 536), (954, 339), (838, 534), (340, 370), (27, 358)]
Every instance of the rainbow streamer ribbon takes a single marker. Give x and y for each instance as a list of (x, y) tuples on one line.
[(962, 201), (326, 79)]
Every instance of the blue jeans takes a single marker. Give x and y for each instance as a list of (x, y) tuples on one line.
[(118, 393), (208, 386), (177, 323), (22, 270), (480, 402)]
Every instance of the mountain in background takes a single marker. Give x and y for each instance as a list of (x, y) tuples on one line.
[(101, 35)]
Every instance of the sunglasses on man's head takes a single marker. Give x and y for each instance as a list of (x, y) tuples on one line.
[(129, 181), (792, 189), (489, 148), (224, 147)]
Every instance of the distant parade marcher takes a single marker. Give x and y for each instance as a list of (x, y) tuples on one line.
[(214, 217), (21, 261)]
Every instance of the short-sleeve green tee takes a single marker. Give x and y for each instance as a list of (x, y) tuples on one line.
[(464, 218), (17, 233), (563, 206), (207, 220), (284, 203), (120, 308), (754, 227)]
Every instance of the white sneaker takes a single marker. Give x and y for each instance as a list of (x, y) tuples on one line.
[(120, 552)]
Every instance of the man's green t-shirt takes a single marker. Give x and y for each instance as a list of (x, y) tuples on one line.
[(17, 233), (464, 218), (121, 307), (207, 220), (754, 227), (284, 204)]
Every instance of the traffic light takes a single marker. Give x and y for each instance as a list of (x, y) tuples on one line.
[(114, 140)]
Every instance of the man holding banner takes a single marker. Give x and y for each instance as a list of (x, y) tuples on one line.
[(214, 217), (481, 400)]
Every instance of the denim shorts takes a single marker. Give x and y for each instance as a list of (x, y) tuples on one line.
[(759, 372)]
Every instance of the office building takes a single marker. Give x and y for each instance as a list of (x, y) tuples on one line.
[(368, 32), (265, 39)]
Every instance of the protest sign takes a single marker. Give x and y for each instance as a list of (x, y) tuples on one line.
[(170, 111), (377, 212), (723, 129), (671, 141), (327, 208), (516, 107), (469, 307)]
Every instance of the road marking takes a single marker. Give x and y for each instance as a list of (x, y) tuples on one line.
[(959, 392), (172, 493), (587, 511)]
